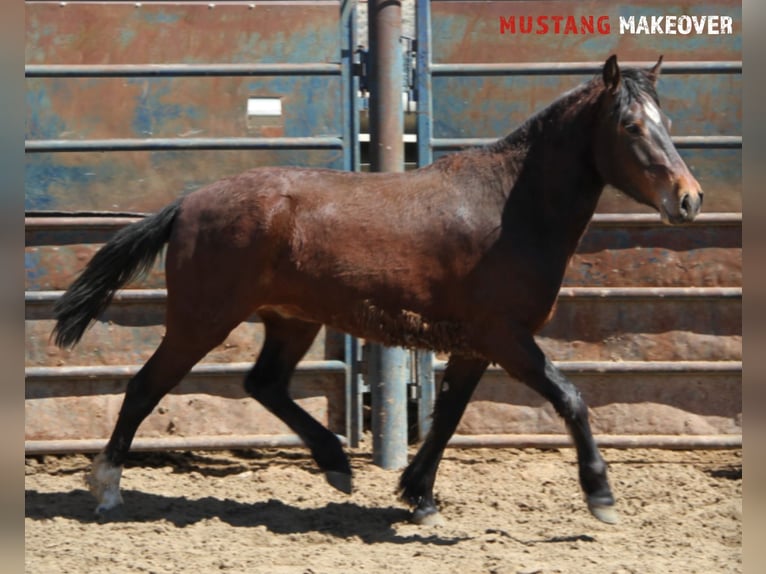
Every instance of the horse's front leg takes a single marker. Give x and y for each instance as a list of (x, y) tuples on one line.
[(417, 482), (523, 359)]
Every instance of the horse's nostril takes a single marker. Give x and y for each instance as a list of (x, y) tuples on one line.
[(686, 205)]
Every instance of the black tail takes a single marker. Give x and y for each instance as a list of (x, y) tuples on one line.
[(125, 256)]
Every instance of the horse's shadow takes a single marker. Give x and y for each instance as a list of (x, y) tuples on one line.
[(341, 520)]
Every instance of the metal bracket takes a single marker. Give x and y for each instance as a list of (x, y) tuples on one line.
[(409, 46), (361, 69)]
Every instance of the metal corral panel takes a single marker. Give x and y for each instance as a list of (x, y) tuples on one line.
[(81, 404), (656, 310), (615, 251), (702, 102), (111, 37), (468, 31), (635, 251), (674, 399), (129, 106)]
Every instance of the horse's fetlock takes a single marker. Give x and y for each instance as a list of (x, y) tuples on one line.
[(597, 467)]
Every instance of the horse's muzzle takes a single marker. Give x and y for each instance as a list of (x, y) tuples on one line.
[(686, 203), (690, 205)]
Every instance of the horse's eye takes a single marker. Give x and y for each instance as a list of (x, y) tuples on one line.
[(633, 129)]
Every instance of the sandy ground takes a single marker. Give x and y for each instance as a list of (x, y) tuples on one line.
[(507, 511)]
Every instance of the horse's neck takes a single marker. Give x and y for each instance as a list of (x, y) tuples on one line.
[(556, 187)]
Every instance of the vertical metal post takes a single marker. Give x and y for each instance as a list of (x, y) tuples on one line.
[(350, 104), (385, 81), (349, 85), (388, 367), (424, 378), (423, 81), (424, 372)]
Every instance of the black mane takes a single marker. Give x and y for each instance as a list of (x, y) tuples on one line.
[(635, 86)]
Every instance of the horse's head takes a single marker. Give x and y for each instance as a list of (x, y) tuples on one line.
[(633, 149)]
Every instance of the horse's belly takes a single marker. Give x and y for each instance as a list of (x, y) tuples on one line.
[(405, 328), (400, 328)]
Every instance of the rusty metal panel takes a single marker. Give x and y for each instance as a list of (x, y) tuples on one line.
[(79, 406), (628, 253), (143, 181), (54, 267), (684, 402), (468, 32), (183, 33), (612, 253), (493, 106), (96, 108), (637, 324), (121, 342), (706, 102)]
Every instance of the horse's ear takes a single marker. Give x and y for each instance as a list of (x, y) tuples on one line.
[(654, 73), (611, 74)]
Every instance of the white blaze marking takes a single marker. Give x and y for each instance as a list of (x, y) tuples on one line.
[(651, 111)]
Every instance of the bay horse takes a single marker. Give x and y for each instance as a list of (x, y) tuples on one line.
[(464, 256)]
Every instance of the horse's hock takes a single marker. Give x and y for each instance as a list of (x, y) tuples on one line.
[(648, 323)]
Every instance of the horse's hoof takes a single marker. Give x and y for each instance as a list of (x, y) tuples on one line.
[(604, 513), (105, 513), (339, 480), (428, 517)]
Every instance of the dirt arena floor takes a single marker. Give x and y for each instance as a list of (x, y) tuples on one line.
[(507, 511)]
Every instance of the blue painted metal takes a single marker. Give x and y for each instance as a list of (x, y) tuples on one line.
[(350, 136), (585, 68), (424, 373), (181, 71), (423, 82), (178, 70), (475, 84), (483, 83), (350, 86), (164, 85), (159, 144), (681, 142)]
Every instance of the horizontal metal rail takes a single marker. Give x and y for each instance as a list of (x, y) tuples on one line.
[(622, 367), (177, 70), (653, 219), (44, 221), (644, 293), (131, 296), (223, 442), (121, 296), (70, 222), (166, 144), (679, 442), (297, 143), (556, 68), (54, 374), (681, 142)]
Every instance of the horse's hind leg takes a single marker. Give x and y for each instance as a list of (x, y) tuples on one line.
[(417, 481), (163, 371), (287, 340)]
